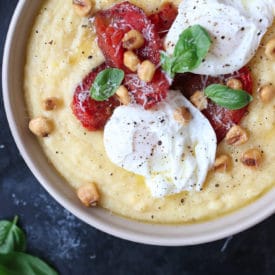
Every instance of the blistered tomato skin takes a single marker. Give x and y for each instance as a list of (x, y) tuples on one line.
[(220, 118), (147, 94), (112, 24), (164, 19), (92, 114)]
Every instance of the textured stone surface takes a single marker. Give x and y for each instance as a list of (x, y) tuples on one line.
[(73, 247)]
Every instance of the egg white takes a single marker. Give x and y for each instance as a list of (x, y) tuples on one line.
[(172, 157), (236, 28)]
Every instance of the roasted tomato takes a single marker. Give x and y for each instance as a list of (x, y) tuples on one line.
[(220, 118), (91, 113), (147, 94), (111, 26), (164, 19)]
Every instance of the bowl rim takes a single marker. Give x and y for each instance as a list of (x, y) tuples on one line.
[(236, 222)]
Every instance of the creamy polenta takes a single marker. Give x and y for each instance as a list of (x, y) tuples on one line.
[(62, 50)]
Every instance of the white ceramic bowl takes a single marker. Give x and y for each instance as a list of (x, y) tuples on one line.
[(13, 64)]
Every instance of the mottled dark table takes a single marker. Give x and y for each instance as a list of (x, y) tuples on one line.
[(73, 247)]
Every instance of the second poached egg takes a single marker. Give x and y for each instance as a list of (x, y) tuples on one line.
[(236, 28)]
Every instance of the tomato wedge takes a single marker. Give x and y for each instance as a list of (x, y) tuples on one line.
[(220, 118), (92, 114)]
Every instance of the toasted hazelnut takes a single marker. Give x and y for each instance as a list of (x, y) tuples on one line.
[(236, 136), (83, 7), (222, 163), (123, 95), (234, 84), (132, 40), (267, 93), (88, 194), (182, 115), (41, 126), (252, 158), (146, 71), (199, 100), (270, 49), (131, 61), (50, 103)]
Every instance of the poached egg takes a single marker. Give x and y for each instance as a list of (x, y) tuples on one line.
[(171, 156), (236, 28)]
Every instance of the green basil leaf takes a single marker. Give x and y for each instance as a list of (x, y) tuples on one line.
[(190, 50), (12, 238), (5, 271), (186, 61), (228, 98), (24, 264), (106, 83), (167, 63), (196, 38)]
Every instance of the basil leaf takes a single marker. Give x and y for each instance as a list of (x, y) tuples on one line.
[(5, 271), (167, 63), (12, 238), (186, 61), (190, 50), (194, 38), (24, 264), (228, 98), (106, 83)]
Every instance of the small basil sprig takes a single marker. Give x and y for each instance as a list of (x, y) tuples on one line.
[(227, 97), (12, 238), (21, 263), (106, 84), (13, 260), (190, 50)]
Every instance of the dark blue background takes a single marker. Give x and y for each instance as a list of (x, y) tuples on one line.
[(73, 247)]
